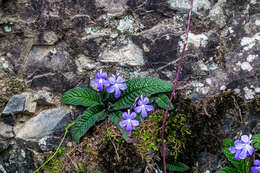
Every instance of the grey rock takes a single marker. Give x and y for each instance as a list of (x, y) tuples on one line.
[(54, 81), (46, 123), (113, 7), (130, 54), (217, 14), (15, 105), (43, 97), (47, 38), (6, 131)]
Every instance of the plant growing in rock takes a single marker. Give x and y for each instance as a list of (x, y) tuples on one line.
[(242, 154), (117, 100)]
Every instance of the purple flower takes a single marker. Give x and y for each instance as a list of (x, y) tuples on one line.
[(242, 148), (256, 168), (116, 85), (143, 107), (129, 121), (101, 81)]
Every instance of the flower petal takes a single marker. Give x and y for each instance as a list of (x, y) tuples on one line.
[(257, 162), (243, 154), (103, 75), (100, 87), (117, 92), (138, 109), (250, 149), (144, 113), (98, 76), (135, 123), (122, 86), (125, 115), (232, 149), (112, 80), (239, 144), (148, 107), (132, 115), (255, 169), (119, 79), (106, 83), (237, 155), (245, 138), (95, 81), (145, 101), (140, 102), (129, 126), (123, 123), (110, 89)]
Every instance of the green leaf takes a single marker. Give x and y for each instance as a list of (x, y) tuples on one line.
[(178, 167), (256, 140), (87, 120), (81, 96), (115, 118), (162, 101), (228, 142), (227, 170), (231, 158), (138, 86)]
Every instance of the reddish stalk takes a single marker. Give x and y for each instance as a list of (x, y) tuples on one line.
[(175, 82)]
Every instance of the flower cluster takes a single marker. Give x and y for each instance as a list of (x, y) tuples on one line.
[(242, 148), (142, 106), (113, 84)]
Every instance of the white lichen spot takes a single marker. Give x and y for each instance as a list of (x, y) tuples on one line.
[(213, 66), (209, 81), (7, 28), (199, 40), (249, 93), (230, 30), (204, 90), (53, 51), (257, 89), (223, 88), (42, 141), (237, 90), (23, 153), (5, 65), (129, 24), (2, 58), (207, 171), (246, 66), (249, 42), (203, 67), (197, 84), (251, 58)]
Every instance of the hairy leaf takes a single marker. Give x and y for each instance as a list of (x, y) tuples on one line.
[(115, 118), (81, 96), (87, 120), (256, 140), (138, 86), (162, 101), (178, 167), (227, 170)]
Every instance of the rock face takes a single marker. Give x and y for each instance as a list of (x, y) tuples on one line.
[(44, 124), (53, 46), (15, 105)]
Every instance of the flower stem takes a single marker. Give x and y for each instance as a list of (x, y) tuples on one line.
[(175, 82)]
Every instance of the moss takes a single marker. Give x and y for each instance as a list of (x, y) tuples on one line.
[(54, 166), (10, 87)]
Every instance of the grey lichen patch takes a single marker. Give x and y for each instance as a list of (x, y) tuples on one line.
[(196, 40), (129, 24), (249, 93), (249, 42), (7, 28), (199, 5)]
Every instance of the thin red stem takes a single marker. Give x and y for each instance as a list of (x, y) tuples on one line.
[(175, 82)]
